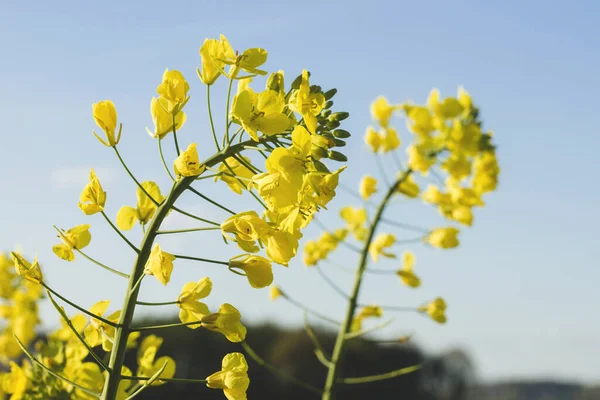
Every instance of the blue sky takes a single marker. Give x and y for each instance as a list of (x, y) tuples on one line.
[(522, 288)]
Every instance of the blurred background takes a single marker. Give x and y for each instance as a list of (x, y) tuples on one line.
[(521, 288)]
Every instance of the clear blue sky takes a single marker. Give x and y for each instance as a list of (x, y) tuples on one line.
[(522, 289)]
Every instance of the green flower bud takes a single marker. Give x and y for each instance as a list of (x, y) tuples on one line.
[(318, 152), (330, 93), (275, 82), (321, 167), (332, 124), (339, 116), (315, 89), (341, 133), (339, 143), (337, 156), (298, 81), (328, 104), (326, 113)]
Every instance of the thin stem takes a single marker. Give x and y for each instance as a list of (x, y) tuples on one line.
[(379, 163), (235, 134), (402, 225), (119, 232), (242, 183), (338, 351), (226, 136), (175, 137), (210, 228), (250, 167), (309, 310), (335, 287), (114, 271), (201, 259), (399, 308), (353, 335), (134, 178), (380, 377), (191, 189), (397, 160), (313, 337), (210, 117), (187, 214), (83, 310), (165, 326), (278, 371), (174, 380), (162, 157), (165, 303)]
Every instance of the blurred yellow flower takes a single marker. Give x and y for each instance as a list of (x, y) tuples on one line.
[(443, 238), (368, 186), (406, 273)]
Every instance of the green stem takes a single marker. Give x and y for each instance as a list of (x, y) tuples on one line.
[(226, 136), (310, 310), (211, 201), (277, 371), (162, 158), (175, 380), (210, 117), (215, 228), (165, 326), (123, 329), (165, 303), (114, 271), (201, 259), (175, 137), (120, 233), (404, 226), (83, 310), (380, 377), (332, 284), (340, 343)]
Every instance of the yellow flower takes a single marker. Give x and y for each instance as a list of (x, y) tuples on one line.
[(419, 119), (409, 187), (443, 238), (307, 104), (382, 111), (212, 52), (99, 332), (446, 109), (239, 170), (433, 195), (258, 269), (75, 238), (164, 122), (88, 375), (15, 382), (148, 365), (188, 164), (93, 197), (275, 292), (281, 246), (372, 311), (436, 310), (462, 214), (406, 274), (105, 115), (373, 139), (191, 308), (368, 186), (247, 227), (419, 158), (30, 271), (174, 88), (226, 321), (390, 141), (144, 210), (233, 377), (160, 264), (262, 112), (486, 171), (378, 246), (355, 219)]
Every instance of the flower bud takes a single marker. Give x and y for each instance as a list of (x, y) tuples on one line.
[(315, 89), (329, 104), (332, 124), (341, 133), (275, 82), (330, 93), (339, 116), (337, 156), (105, 116), (296, 83), (326, 113), (318, 152)]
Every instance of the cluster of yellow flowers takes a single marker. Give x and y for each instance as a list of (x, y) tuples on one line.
[(297, 129)]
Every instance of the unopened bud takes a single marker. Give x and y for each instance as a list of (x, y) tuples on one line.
[(275, 82), (328, 104), (341, 133), (339, 116), (337, 156), (318, 152), (332, 124), (330, 93)]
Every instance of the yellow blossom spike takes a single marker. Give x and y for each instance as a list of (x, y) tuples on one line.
[(160, 264)]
